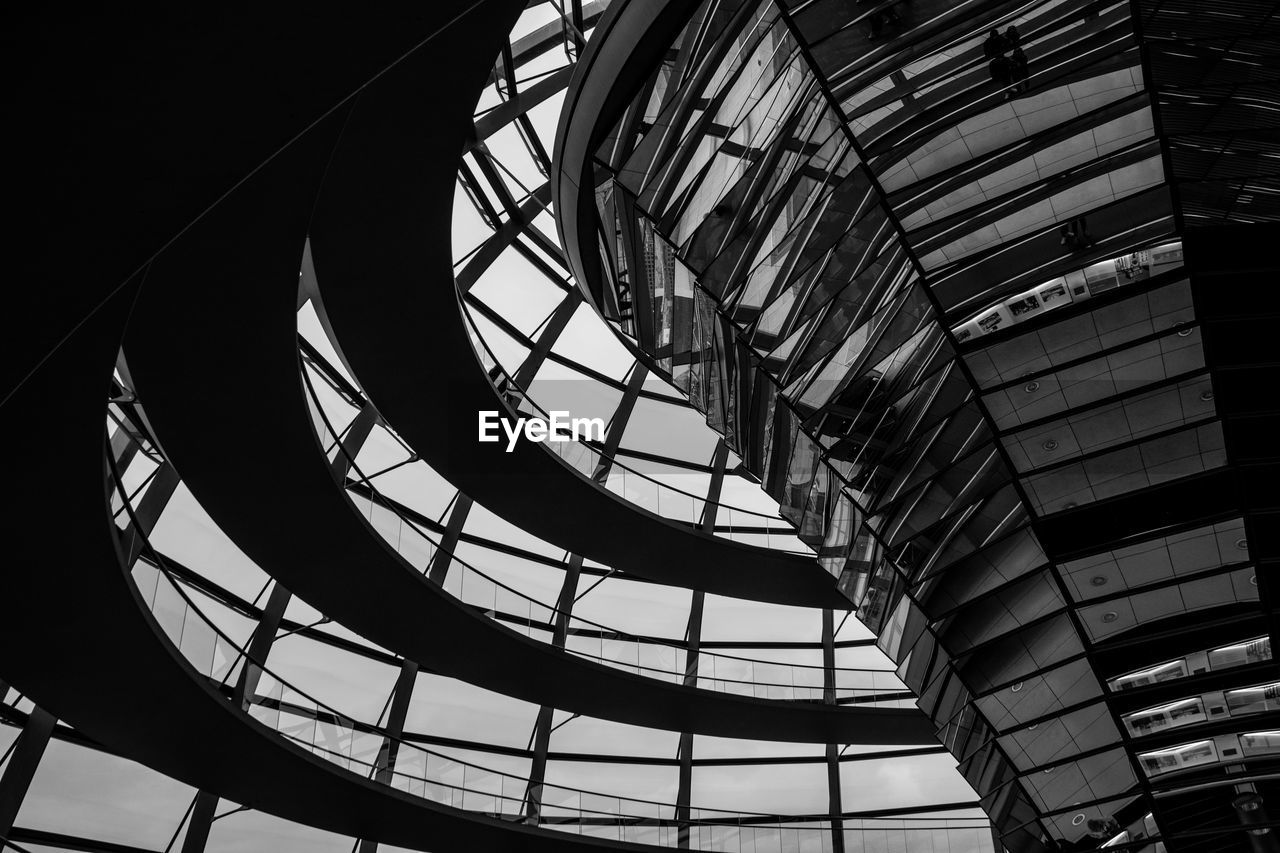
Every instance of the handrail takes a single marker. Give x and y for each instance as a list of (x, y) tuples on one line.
[(814, 685), (207, 648), (509, 389), (157, 561), (490, 363)]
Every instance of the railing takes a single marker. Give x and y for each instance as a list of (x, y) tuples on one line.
[(644, 656), (735, 523), (366, 750)]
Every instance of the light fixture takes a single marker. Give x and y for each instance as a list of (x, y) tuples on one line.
[(1185, 331), (1110, 616), (1015, 688), (1098, 580), (1253, 580), (1031, 387), (1242, 543), (1078, 819), (1206, 396)]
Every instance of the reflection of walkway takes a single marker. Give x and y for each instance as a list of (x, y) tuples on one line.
[(967, 90)]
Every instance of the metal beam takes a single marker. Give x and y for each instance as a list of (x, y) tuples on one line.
[(834, 794), (384, 768), (693, 641), (569, 592), (443, 557), (555, 324), (22, 766), (147, 512), (618, 423), (201, 821), (357, 433), (264, 634), (495, 244)]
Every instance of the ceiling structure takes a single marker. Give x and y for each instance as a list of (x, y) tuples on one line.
[(933, 510), (295, 604)]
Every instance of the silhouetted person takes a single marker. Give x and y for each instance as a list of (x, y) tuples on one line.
[(1082, 233), (1075, 235), (876, 24), (879, 20), (1018, 71), (995, 44), (1001, 70), (1011, 37)]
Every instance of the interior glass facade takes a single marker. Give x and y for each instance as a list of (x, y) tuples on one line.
[(931, 505)]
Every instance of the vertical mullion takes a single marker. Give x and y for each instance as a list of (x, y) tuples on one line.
[(693, 647), (202, 816), (148, 511), (836, 800), (443, 557), (542, 726), (22, 766), (351, 443), (547, 339), (618, 423), (568, 594)]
